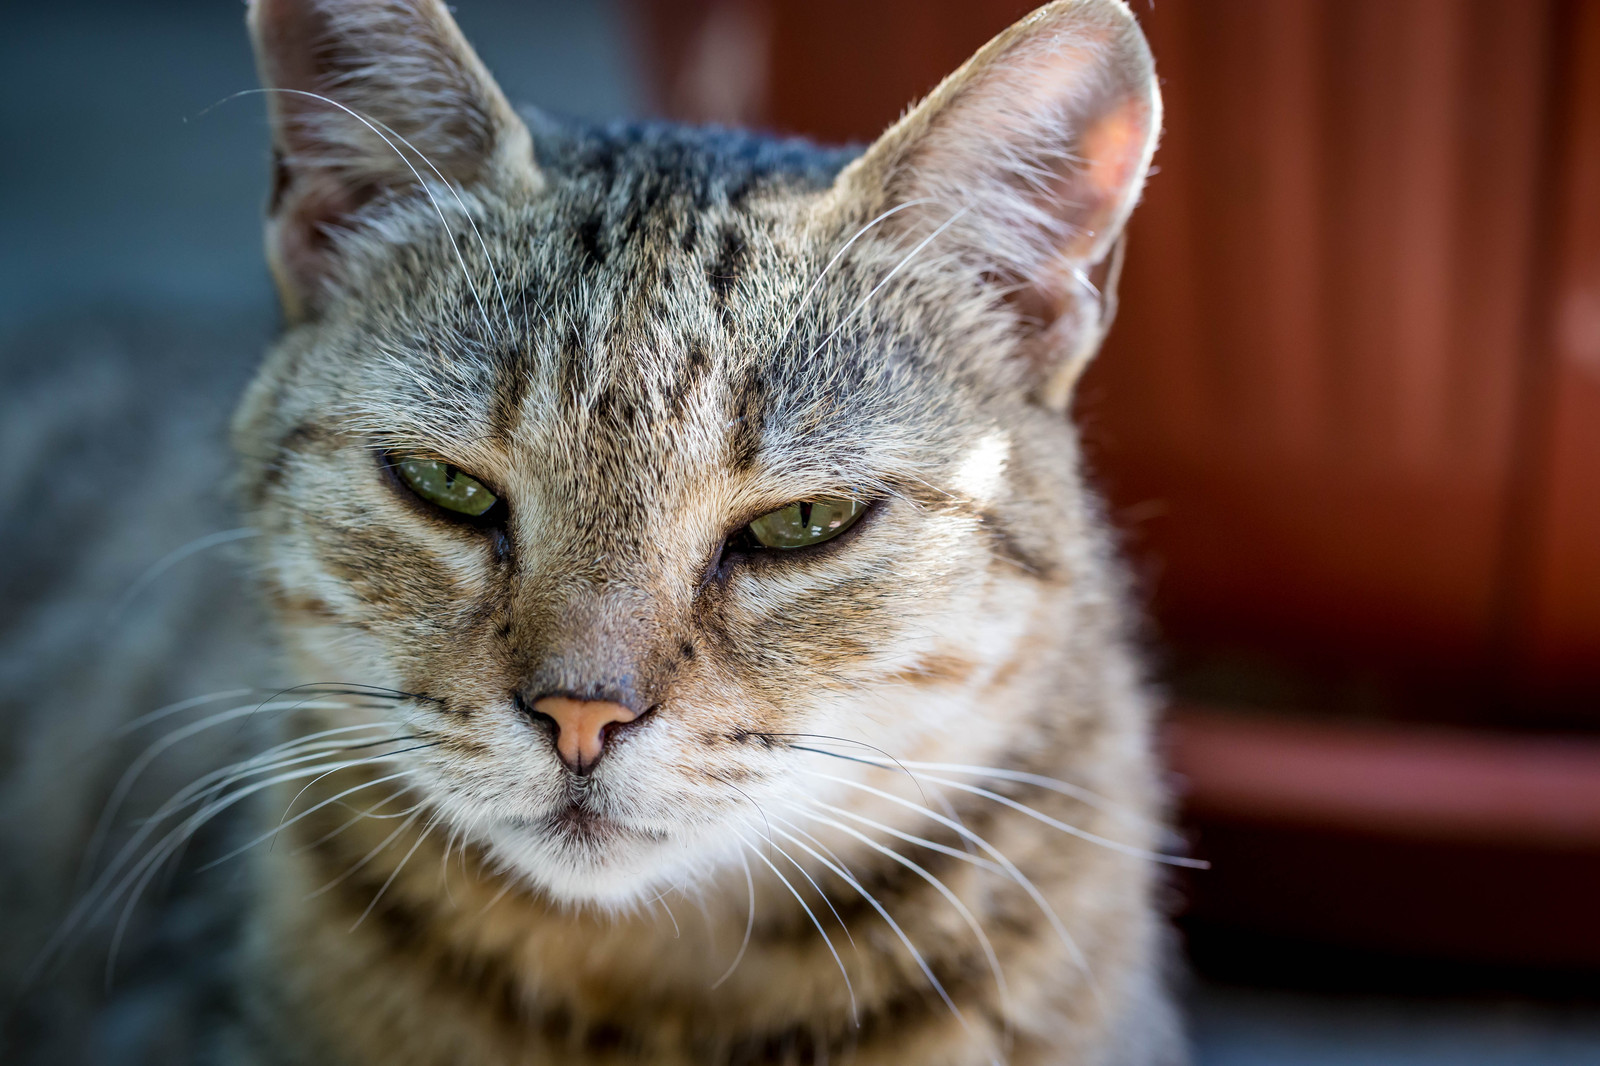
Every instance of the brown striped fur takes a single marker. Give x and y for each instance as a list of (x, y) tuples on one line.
[(633, 334)]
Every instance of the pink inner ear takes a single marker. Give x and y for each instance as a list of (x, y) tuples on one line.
[(1045, 143), (1112, 149), (1085, 191)]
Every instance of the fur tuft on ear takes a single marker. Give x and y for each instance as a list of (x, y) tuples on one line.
[(370, 99), (1037, 148)]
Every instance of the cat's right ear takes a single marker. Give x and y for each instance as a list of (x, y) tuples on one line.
[(369, 99), (1024, 165)]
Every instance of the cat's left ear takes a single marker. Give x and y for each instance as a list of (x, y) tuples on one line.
[(1037, 149), (369, 101)]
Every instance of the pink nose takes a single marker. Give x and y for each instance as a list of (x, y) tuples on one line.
[(581, 727)]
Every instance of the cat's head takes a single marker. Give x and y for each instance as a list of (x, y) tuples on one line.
[(643, 457)]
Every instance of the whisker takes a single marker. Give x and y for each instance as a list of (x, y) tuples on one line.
[(306, 750), (800, 306), (421, 182), (390, 754), (939, 886), (849, 989), (373, 854), (872, 902), (752, 803), (171, 559), (1059, 786), (1051, 784), (94, 905), (360, 815), (107, 889), (505, 890), (929, 239), (1072, 830), (855, 743), (825, 898), (749, 925), (280, 827), (989, 849), (661, 898), (444, 865), (207, 786), (212, 783), (351, 688), (141, 762), (396, 871), (923, 842), (170, 709)]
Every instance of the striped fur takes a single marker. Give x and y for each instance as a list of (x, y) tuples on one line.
[(642, 337)]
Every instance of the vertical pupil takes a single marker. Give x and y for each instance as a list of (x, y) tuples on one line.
[(450, 473), (805, 514)]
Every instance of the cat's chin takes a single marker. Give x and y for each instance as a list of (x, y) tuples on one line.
[(583, 861)]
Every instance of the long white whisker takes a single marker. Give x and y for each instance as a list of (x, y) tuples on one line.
[(421, 182), (505, 890), (1051, 784), (178, 708), (1072, 830), (104, 893), (141, 762), (401, 866), (939, 886), (360, 816), (862, 232), (989, 849), (308, 812), (929, 239), (101, 896), (825, 899), (312, 782), (173, 558), (749, 925), (305, 751), (661, 898), (924, 842), (872, 901), (373, 854), (209, 785), (444, 864), (229, 775), (849, 989)]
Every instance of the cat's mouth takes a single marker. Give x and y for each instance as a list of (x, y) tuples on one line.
[(578, 821)]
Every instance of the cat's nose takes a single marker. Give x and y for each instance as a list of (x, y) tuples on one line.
[(581, 727)]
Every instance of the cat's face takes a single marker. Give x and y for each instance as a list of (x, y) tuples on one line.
[(546, 440)]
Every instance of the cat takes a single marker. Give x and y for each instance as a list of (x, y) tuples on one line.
[(712, 652)]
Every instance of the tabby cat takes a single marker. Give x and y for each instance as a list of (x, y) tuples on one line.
[(713, 654)]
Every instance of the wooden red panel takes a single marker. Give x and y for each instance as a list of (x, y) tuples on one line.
[(1317, 373), (1560, 634)]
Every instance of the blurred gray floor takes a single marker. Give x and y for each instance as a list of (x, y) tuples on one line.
[(129, 212), (1253, 1027)]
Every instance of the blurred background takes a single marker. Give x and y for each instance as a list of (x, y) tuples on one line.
[(1348, 422)]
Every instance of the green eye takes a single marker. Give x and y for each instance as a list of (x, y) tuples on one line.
[(445, 485), (806, 522)]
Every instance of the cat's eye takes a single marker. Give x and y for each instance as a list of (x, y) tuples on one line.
[(806, 522), (446, 486)]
